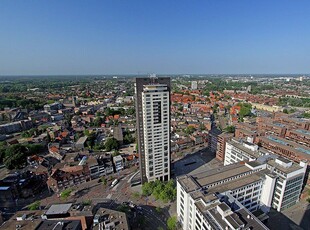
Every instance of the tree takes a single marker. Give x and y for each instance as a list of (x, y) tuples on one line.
[(103, 180), (65, 193), (15, 156), (189, 130), (245, 110), (128, 139), (136, 195), (147, 188), (306, 115), (172, 223), (86, 132), (34, 206), (230, 129), (111, 144), (158, 210), (86, 202)]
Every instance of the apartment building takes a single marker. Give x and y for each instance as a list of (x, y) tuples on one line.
[(213, 139), (194, 85), (284, 147), (245, 133), (301, 136), (292, 121), (251, 183), (277, 129), (153, 126), (221, 145)]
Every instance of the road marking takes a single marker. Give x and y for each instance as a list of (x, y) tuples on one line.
[(109, 196), (132, 176), (115, 187)]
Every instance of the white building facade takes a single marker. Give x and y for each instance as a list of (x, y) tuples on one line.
[(156, 126), (286, 185), (253, 184), (194, 85)]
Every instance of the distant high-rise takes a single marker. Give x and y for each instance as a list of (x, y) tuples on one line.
[(153, 127), (194, 85)]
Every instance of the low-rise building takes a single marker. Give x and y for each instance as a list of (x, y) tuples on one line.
[(110, 219), (68, 176), (80, 144), (301, 136), (118, 163), (284, 147), (16, 126)]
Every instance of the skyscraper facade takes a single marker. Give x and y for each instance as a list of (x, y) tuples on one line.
[(153, 127)]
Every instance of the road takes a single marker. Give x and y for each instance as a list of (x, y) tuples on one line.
[(113, 198)]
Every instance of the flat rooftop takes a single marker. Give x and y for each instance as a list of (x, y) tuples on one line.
[(287, 170), (240, 146), (237, 218), (58, 209), (219, 174), (32, 220), (117, 220)]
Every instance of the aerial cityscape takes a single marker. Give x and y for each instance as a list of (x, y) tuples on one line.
[(139, 115)]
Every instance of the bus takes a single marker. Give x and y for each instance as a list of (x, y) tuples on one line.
[(114, 183)]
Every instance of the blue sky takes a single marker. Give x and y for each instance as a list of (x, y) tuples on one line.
[(131, 37)]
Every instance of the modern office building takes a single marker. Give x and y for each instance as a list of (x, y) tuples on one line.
[(153, 127), (255, 185), (289, 175)]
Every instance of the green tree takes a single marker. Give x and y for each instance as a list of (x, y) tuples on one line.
[(15, 156), (87, 202), (86, 132), (147, 188), (128, 139), (189, 130), (65, 193), (111, 144), (306, 115), (136, 195), (158, 210), (34, 206), (230, 129), (172, 223), (103, 180), (158, 188)]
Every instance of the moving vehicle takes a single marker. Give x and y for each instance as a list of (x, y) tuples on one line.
[(114, 183)]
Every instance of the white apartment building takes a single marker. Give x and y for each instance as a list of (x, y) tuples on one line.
[(250, 183), (194, 85), (156, 116), (153, 120)]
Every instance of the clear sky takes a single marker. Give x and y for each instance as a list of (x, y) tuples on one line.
[(158, 36)]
